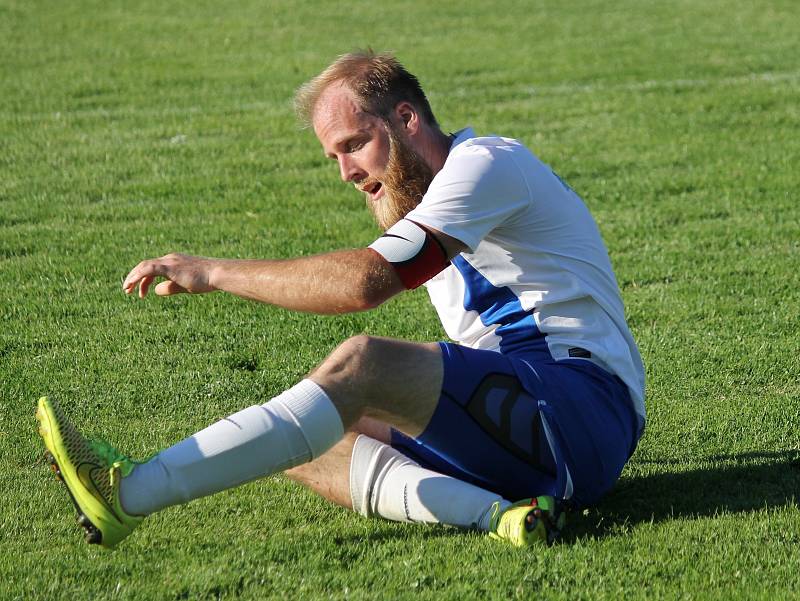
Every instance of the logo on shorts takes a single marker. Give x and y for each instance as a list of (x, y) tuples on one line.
[(511, 417)]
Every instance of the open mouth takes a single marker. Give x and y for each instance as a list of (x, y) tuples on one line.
[(373, 190)]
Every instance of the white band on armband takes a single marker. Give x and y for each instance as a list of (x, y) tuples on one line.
[(401, 242)]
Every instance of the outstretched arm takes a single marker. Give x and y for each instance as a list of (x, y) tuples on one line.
[(337, 282)]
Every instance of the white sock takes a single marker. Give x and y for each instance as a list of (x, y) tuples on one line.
[(293, 428), (386, 483)]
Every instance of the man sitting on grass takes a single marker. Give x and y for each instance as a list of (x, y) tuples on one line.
[(540, 398)]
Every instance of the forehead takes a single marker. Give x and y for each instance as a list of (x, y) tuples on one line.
[(337, 115)]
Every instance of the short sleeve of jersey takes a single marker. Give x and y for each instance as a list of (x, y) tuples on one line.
[(479, 188)]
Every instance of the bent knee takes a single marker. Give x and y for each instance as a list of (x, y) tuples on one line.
[(361, 343), (351, 357)]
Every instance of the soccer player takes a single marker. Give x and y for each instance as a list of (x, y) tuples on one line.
[(535, 407)]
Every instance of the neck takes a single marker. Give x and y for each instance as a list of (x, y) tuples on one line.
[(435, 148)]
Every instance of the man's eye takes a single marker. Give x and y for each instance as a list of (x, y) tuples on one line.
[(354, 146)]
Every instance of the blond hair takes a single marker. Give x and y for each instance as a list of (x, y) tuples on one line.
[(378, 81)]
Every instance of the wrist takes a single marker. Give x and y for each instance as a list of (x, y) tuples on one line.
[(215, 274)]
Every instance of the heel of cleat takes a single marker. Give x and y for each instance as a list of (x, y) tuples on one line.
[(529, 522), (548, 512)]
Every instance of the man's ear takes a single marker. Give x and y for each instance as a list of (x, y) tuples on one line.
[(407, 117)]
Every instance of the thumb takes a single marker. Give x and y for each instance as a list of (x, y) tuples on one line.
[(168, 288)]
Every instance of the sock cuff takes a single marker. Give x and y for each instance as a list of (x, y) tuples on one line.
[(315, 414), (369, 463), (366, 452)]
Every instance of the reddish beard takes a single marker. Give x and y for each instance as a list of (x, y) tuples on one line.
[(405, 182)]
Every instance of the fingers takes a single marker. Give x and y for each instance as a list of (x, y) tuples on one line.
[(168, 288), (138, 275), (144, 274), (129, 283), (144, 285), (181, 272)]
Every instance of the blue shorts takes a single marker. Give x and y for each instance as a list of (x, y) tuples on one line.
[(523, 425)]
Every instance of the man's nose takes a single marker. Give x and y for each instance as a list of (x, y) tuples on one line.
[(348, 169)]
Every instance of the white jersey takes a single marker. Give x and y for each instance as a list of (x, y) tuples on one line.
[(537, 276)]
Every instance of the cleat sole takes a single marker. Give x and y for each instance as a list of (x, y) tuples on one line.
[(54, 466), (92, 534)]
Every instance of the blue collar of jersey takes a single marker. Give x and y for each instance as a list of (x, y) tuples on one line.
[(462, 135)]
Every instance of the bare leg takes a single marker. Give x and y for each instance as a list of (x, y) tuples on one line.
[(393, 381), (373, 382), (329, 475)]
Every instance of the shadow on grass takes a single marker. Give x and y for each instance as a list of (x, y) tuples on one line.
[(741, 483)]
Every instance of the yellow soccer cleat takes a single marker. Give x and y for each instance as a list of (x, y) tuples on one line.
[(528, 522), (91, 471)]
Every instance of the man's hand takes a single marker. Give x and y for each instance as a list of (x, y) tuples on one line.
[(183, 273)]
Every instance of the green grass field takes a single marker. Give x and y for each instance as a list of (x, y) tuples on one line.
[(129, 130)]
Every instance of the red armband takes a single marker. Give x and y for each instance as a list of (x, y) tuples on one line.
[(413, 251)]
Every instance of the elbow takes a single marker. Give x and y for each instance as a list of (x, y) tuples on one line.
[(373, 283), (368, 299), (373, 292)]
